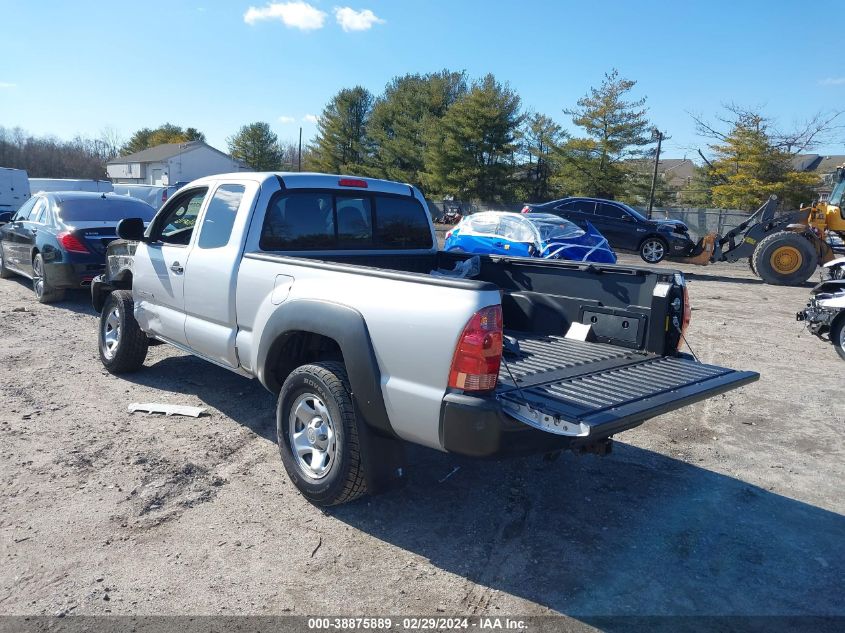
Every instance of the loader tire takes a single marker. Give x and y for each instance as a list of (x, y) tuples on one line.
[(785, 258)]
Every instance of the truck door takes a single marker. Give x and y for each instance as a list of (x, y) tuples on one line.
[(211, 273), (159, 267)]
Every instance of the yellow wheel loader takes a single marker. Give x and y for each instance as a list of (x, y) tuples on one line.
[(784, 250)]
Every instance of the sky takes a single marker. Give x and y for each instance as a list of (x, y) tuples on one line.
[(78, 68)]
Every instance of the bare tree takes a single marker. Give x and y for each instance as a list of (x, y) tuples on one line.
[(817, 130)]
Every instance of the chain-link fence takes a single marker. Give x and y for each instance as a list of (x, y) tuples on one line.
[(700, 221)]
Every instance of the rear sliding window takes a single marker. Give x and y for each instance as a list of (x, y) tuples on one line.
[(323, 220)]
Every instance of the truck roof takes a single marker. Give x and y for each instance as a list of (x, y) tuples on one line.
[(311, 180)]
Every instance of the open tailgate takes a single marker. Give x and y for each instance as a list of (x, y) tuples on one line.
[(584, 389)]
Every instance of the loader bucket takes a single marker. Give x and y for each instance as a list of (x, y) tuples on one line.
[(703, 251)]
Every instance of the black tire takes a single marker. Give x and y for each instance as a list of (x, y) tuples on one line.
[(751, 265), (127, 349), (789, 248), (653, 249), (44, 292), (837, 335), (321, 388), (5, 273)]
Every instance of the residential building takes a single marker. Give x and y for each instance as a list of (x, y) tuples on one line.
[(170, 163)]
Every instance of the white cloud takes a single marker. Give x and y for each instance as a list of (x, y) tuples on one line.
[(295, 15), (310, 118), (6, 84), (833, 81), (352, 20), (286, 119)]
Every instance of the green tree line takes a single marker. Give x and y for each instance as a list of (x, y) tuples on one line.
[(474, 140)]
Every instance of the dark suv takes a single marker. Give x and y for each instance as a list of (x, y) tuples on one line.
[(624, 227)]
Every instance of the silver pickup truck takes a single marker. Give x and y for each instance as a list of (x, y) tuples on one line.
[(331, 291)]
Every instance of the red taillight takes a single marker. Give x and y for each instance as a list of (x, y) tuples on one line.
[(71, 243), (475, 365), (526, 209), (352, 182), (449, 233)]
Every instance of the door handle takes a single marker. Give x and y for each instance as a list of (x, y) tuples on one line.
[(176, 267)]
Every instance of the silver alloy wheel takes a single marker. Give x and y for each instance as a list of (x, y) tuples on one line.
[(111, 333), (38, 276), (312, 436), (652, 250), (842, 338)]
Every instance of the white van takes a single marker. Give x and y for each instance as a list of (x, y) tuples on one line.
[(14, 189), (69, 184)]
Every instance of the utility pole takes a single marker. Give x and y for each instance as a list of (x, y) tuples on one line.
[(658, 135), (299, 159)]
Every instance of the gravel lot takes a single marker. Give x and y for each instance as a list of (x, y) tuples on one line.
[(731, 506)]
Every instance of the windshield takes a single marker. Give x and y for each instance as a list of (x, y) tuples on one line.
[(103, 210), (557, 229), (836, 195)]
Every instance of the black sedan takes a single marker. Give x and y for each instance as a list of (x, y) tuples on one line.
[(624, 227), (59, 239)]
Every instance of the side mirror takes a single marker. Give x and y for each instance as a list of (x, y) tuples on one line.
[(5, 217), (131, 229)]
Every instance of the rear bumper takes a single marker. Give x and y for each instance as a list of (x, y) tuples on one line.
[(478, 427), (76, 275)]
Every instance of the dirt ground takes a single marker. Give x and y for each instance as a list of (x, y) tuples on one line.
[(730, 506)]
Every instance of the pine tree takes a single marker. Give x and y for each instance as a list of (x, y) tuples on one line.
[(615, 130), (410, 106), (471, 153), (540, 138), (342, 145), (257, 146)]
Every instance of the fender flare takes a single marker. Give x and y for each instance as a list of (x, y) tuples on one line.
[(344, 325)]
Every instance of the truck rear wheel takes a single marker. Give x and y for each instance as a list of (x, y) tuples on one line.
[(318, 434), (785, 258), (122, 343)]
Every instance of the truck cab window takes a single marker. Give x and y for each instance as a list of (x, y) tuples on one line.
[(220, 216), (401, 223), (299, 221), (177, 223), (354, 222)]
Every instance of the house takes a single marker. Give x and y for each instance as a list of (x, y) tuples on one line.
[(823, 166), (674, 174), (170, 163)]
